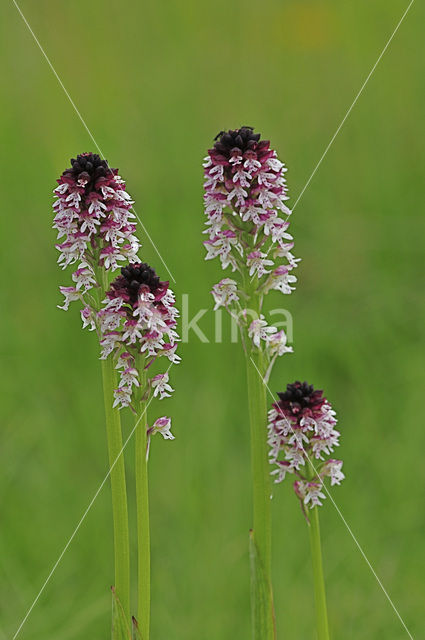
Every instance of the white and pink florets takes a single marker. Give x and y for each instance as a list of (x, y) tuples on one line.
[(138, 324), (301, 433), (94, 222), (137, 320), (247, 225)]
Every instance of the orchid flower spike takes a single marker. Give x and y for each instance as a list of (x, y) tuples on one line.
[(302, 436), (138, 324), (95, 227), (247, 228)]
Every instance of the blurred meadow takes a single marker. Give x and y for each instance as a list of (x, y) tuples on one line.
[(155, 81)]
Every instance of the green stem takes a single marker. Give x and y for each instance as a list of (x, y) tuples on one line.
[(319, 583), (262, 600), (142, 503), (118, 486), (117, 473)]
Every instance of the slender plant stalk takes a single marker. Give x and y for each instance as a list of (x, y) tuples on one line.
[(259, 461), (319, 583), (245, 194), (142, 502), (118, 486), (262, 604), (118, 480)]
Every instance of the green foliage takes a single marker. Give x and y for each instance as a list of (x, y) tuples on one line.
[(261, 595), (136, 630), (120, 626)]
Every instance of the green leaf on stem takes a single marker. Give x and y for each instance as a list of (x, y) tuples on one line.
[(120, 626), (263, 616), (137, 635)]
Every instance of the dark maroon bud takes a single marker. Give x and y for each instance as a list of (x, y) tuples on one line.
[(132, 278), (88, 168), (242, 139), (300, 397)]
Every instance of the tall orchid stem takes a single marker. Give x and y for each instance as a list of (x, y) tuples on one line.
[(319, 581), (118, 481), (142, 503), (118, 486), (261, 585)]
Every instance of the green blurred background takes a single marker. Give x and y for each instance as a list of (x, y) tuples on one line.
[(155, 82)]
